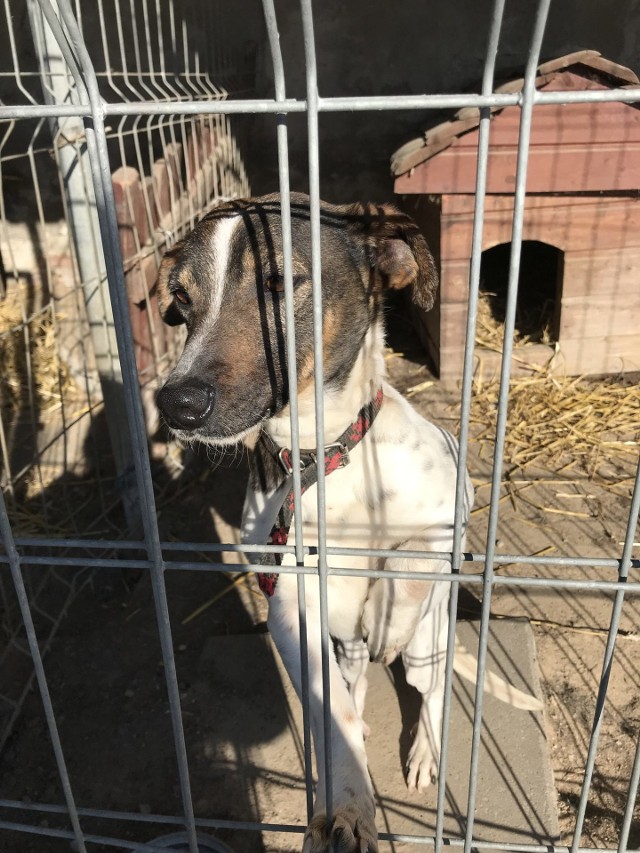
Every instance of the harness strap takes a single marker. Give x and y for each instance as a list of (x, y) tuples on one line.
[(336, 455)]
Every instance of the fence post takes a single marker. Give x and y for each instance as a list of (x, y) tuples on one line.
[(71, 155)]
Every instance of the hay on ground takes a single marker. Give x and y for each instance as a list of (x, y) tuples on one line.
[(553, 421), (534, 322), (28, 346), (558, 421)]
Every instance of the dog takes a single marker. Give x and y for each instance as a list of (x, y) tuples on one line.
[(390, 474)]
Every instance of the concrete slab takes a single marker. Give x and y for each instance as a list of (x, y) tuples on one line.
[(255, 743)]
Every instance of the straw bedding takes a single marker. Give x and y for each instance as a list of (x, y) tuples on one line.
[(28, 346), (554, 421)]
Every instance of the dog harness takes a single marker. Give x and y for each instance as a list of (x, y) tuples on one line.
[(336, 455)]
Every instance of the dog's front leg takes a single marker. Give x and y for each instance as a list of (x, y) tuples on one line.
[(353, 825), (353, 659), (411, 616), (395, 606), (424, 664)]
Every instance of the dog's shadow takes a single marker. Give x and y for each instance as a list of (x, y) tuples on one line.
[(409, 701)]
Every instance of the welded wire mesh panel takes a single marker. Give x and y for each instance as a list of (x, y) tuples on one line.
[(153, 144), (66, 462), (57, 324)]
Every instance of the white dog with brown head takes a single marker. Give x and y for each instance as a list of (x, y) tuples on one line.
[(391, 474)]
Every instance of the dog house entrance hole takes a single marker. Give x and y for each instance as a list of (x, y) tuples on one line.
[(539, 290)]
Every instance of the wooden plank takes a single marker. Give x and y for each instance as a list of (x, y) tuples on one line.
[(148, 329), (565, 124), (487, 362), (607, 66), (554, 124), (141, 276), (138, 332), (613, 271), (200, 187), (173, 159), (600, 354), (462, 204), (584, 357), (135, 284), (456, 237), (193, 158), (574, 147), (208, 141), (600, 314), (454, 279), (453, 321), (408, 148), (568, 59), (575, 223), (130, 210), (568, 168), (512, 86), (417, 155), (160, 176), (451, 365), (208, 179), (144, 276), (153, 210)]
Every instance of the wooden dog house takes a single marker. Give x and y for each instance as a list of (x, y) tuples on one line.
[(582, 199)]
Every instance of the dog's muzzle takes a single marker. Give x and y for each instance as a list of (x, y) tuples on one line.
[(187, 404)]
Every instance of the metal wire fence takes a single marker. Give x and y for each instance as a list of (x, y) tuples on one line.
[(171, 105), (61, 376)]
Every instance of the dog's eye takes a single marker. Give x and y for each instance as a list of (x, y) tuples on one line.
[(181, 296), (274, 283)]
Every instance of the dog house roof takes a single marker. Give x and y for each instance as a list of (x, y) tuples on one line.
[(573, 148)]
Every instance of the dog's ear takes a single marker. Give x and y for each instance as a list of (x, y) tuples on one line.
[(166, 302), (398, 252)]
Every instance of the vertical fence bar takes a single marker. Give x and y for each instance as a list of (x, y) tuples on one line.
[(287, 250), (616, 612), (311, 73), (632, 796), (285, 207), (99, 162), (36, 657), (528, 97), (465, 404)]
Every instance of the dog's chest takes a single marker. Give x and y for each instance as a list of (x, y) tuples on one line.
[(377, 501), (353, 511)]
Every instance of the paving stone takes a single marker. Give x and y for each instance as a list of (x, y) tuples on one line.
[(255, 745)]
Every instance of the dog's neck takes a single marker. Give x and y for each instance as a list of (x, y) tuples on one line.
[(341, 405)]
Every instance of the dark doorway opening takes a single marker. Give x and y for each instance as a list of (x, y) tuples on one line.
[(539, 288)]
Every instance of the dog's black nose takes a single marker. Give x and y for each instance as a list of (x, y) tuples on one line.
[(187, 404)]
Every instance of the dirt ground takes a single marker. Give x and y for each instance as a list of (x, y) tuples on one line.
[(107, 679)]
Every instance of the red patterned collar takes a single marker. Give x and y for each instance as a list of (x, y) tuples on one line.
[(336, 455)]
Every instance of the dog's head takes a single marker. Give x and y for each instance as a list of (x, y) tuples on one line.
[(225, 282)]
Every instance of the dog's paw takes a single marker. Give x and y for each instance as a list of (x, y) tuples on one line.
[(351, 831), (422, 764)]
